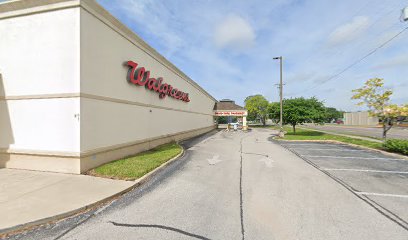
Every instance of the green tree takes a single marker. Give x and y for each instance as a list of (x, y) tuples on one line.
[(222, 120), (332, 114), (251, 116), (377, 99), (274, 111), (300, 110), (257, 105)]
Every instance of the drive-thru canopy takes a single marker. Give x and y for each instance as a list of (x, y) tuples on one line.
[(227, 107)]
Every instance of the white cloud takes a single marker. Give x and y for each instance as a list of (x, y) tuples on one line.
[(137, 8), (349, 31), (156, 19), (399, 61), (234, 33)]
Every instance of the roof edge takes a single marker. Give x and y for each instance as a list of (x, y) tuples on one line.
[(16, 8)]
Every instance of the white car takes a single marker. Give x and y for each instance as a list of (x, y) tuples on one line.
[(235, 125)]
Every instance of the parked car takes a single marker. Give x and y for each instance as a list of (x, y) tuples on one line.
[(236, 125), (339, 121)]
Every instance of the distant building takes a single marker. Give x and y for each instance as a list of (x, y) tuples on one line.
[(229, 105), (360, 118), (228, 108)]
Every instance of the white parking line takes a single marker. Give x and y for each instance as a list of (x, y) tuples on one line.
[(372, 158), (362, 170), (311, 144), (330, 149), (381, 194)]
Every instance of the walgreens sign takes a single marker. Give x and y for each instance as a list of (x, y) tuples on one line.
[(141, 77)]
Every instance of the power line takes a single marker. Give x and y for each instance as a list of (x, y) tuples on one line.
[(358, 61), (392, 8), (369, 28), (367, 55)]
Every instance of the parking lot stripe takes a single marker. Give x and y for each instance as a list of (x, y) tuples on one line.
[(311, 144), (362, 170), (381, 194), (380, 208), (330, 149), (372, 158)]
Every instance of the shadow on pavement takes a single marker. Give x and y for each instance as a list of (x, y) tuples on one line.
[(188, 143)]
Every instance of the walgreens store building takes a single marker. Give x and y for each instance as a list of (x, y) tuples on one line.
[(79, 89)]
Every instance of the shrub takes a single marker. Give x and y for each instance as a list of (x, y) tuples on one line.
[(397, 145)]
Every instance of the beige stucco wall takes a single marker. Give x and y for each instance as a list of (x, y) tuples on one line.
[(123, 111), (105, 123), (39, 88), (66, 105)]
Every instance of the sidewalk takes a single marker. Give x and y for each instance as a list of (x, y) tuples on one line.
[(32, 197)]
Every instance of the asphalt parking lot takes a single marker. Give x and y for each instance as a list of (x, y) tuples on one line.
[(241, 185), (380, 180)]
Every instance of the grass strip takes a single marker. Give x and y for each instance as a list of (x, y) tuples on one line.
[(346, 133), (134, 167), (303, 134)]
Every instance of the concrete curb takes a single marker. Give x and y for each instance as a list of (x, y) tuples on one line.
[(138, 182), (351, 144)]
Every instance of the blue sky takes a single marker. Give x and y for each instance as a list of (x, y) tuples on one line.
[(227, 46)]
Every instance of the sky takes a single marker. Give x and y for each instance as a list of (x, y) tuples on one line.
[(228, 46)]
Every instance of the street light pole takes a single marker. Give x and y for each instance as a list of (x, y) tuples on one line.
[(281, 133)]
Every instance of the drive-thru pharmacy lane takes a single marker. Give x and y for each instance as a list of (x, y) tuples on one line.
[(233, 185)]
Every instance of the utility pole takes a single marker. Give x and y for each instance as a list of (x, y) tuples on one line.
[(281, 132)]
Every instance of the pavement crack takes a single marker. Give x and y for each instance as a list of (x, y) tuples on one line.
[(240, 191), (160, 227)]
